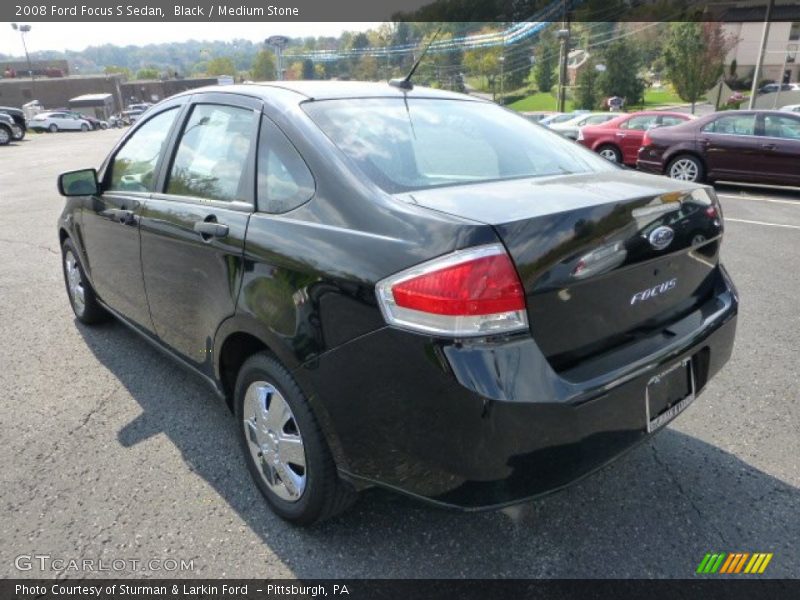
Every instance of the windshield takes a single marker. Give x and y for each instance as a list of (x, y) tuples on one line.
[(422, 143)]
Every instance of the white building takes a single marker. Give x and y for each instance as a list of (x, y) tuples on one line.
[(783, 44)]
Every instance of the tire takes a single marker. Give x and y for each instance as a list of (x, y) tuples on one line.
[(5, 135), (686, 167), (103, 126), (53, 128), (87, 309), (84, 127), (610, 152), (18, 133), (307, 493)]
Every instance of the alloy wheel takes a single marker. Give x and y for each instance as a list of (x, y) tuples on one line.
[(684, 169), (16, 132), (274, 441), (609, 154), (77, 293), (5, 137)]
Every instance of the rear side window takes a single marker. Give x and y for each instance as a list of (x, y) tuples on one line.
[(669, 121), (782, 127), (284, 181), (733, 125), (213, 154), (133, 167), (642, 123)]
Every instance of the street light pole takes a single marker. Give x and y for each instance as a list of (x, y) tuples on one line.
[(23, 29)]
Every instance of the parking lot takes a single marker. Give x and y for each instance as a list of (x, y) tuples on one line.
[(110, 451)]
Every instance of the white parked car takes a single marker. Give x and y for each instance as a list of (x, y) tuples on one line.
[(570, 128), (791, 108), (58, 121)]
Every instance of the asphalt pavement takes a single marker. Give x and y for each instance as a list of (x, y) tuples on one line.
[(112, 452)]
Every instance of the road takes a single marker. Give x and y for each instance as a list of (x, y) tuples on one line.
[(110, 451)]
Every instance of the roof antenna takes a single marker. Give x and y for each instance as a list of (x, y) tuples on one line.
[(405, 82)]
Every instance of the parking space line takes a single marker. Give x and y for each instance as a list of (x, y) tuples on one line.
[(759, 199), (728, 219)]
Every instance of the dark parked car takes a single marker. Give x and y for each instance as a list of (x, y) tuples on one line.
[(761, 146), (6, 129), (412, 289), (619, 139), (18, 129)]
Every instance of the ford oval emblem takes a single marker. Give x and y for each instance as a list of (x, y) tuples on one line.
[(661, 237)]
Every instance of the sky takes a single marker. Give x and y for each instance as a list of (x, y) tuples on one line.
[(77, 36)]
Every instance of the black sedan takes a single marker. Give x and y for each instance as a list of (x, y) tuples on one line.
[(406, 288), (755, 146)]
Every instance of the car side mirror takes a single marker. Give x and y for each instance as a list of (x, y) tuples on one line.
[(78, 183)]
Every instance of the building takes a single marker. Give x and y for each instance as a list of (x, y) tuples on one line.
[(99, 106), (781, 53), (57, 92)]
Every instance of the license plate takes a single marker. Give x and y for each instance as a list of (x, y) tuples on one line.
[(668, 394)]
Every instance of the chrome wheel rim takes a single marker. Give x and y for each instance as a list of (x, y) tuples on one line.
[(698, 239), (77, 293), (274, 440), (4, 137), (684, 170), (16, 132), (608, 154)]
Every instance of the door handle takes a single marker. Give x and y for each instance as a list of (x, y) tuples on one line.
[(769, 146), (622, 135), (125, 217), (209, 229)]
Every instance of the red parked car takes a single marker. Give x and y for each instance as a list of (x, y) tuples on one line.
[(619, 139)]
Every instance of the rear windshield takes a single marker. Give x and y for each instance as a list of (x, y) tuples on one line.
[(418, 143)]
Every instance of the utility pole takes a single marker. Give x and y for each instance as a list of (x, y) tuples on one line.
[(563, 37), (764, 37), (502, 60)]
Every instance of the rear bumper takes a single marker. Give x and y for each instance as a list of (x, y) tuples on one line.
[(650, 166), (482, 425)]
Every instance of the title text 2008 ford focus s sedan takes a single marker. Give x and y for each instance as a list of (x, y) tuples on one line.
[(406, 288)]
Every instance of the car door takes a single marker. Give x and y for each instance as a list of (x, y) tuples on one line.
[(730, 146), (780, 140), (110, 224), (631, 134), (193, 229)]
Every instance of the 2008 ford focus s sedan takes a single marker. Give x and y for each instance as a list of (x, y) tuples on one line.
[(402, 287)]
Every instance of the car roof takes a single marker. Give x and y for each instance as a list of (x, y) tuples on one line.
[(331, 90)]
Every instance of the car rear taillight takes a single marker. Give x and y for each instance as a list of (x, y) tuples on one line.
[(470, 292), (646, 141)]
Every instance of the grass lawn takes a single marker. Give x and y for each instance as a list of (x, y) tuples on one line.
[(652, 97), (538, 102)]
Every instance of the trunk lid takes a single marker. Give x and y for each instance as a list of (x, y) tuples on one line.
[(604, 258)]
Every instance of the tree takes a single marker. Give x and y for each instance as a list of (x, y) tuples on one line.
[(147, 73), (114, 70), (694, 58), (544, 66), (222, 65), (588, 94), (621, 77), (263, 68)]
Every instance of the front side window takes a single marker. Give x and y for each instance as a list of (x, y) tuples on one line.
[(284, 181), (733, 125), (133, 167), (782, 127), (213, 154), (418, 143)]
